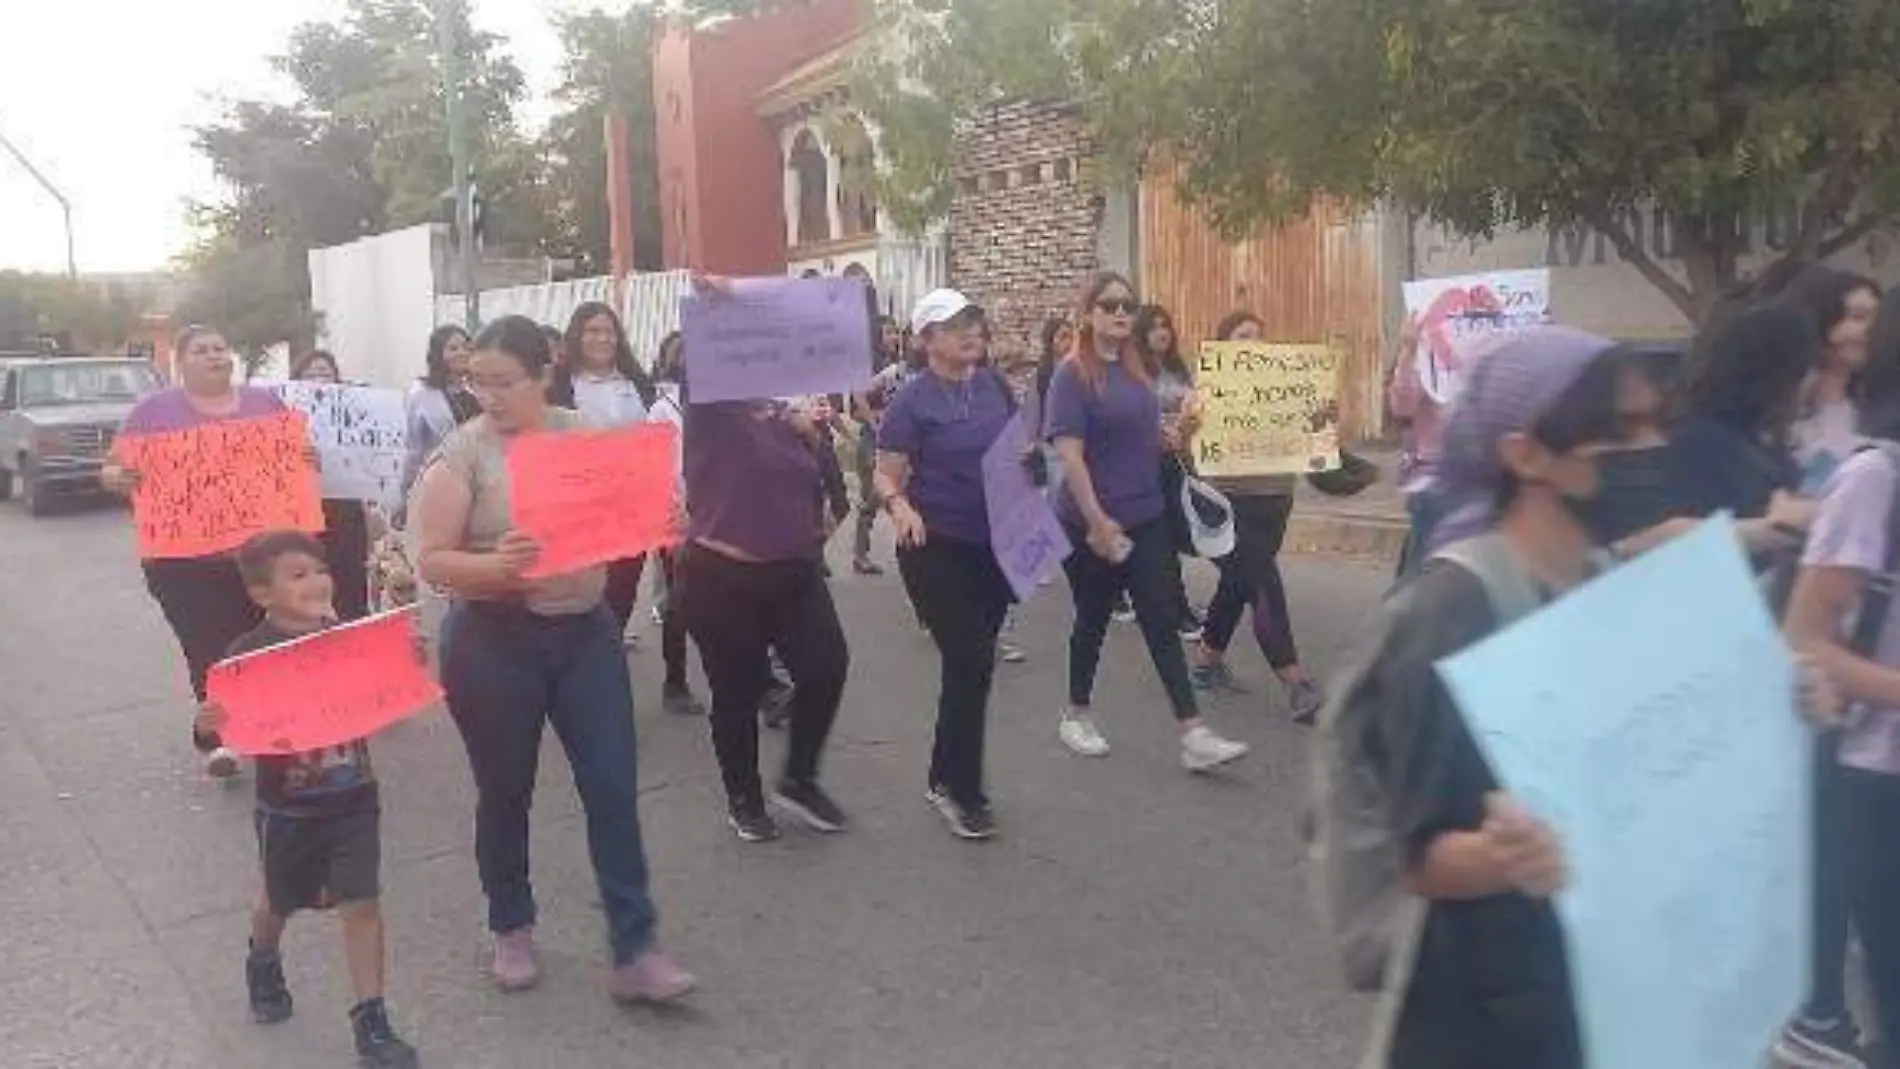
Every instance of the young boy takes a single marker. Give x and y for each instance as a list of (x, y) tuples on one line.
[(318, 814)]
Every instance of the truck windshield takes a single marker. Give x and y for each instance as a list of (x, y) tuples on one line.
[(79, 384)]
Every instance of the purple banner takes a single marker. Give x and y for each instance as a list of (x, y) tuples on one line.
[(777, 337), (1025, 534)]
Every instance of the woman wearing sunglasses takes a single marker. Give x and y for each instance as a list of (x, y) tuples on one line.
[(1105, 420)]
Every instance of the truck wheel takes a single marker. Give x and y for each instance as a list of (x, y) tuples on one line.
[(38, 502)]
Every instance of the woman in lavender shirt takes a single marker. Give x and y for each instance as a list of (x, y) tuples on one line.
[(203, 598)]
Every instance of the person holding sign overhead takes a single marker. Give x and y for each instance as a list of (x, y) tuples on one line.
[(203, 599), (930, 452), (1105, 420), (346, 536), (520, 653)]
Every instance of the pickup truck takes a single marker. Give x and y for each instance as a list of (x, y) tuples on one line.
[(58, 416)]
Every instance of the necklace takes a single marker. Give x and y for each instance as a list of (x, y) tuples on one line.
[(958, 397)]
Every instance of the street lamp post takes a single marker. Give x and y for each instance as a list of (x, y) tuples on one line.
[(65, 206), (451, 56)]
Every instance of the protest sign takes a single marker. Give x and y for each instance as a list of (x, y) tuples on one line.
[(777, 337), (360, 432), (589, 497), (326, 689), (1025, 534), (1267, 409), (1458, 316), (1649, 717), (205, 490)]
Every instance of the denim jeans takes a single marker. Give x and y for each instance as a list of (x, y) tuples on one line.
[(507, 672)]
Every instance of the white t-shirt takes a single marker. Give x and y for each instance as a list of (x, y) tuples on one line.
[(1850, 531), (608, 402), (1823, 442)]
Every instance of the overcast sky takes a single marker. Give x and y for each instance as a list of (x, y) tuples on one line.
[(98, 94)]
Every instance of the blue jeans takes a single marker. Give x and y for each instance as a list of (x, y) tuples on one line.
[(507, 672)]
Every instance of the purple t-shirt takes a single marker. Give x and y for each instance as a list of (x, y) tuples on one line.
[(1850, 531), (1120, 429), (171, 409), (944, 428), (752, 480)]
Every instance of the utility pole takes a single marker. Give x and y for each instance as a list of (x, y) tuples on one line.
[(65, 206), (450, 49)]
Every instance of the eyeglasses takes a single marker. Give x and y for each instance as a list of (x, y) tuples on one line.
[(1123, 306)]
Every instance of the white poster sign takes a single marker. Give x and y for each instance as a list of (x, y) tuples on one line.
[(1459, 315), (361, 434)]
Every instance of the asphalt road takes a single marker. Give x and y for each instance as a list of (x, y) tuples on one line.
[(1132, 916)]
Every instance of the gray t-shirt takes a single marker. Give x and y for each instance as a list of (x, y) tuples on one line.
[(1850, 531), (477, 452)]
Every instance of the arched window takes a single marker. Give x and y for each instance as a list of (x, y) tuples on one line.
[(857, 172), (807, 167)]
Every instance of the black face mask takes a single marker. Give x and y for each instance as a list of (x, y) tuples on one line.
[(1634, 493)]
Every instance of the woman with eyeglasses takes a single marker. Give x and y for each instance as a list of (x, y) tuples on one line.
[(1105, 420), (346, 524)]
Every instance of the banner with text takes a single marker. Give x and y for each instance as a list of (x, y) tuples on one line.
[(777, 337), (590, 497), (1458, 316), (1267, 409), (205, 490), (333, 687), (360, 432)]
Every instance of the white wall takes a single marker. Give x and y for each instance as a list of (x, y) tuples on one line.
[(649, 306), (376, 301)]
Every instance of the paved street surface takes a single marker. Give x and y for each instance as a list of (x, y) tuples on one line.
[(1132, 916)]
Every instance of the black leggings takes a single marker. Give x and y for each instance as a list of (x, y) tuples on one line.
[(738, 612), (1250, 575), (963, 597), (346, 545), (205, 603), (1149, 575), (672, 625), (1870, 811), (623, 587), (1827, 963)]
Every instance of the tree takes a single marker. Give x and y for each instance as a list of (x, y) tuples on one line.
[(1479, 114), (80, 315)]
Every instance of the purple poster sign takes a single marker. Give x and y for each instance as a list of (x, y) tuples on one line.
[(1025, 535), (777, 337)]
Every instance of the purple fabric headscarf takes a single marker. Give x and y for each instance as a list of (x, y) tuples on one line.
[(1512, 385)]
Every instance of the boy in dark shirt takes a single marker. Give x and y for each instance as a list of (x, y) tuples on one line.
[(318, 814)]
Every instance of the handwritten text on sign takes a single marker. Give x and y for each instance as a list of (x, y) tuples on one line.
[(777, 337), (1678, 784), (589, 497), (1025, 534), (1458, 316), (205, 490), (333, 687), (360, 432), (1267, 409)]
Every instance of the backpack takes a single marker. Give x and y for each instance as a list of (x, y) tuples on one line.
[(1358, 863)]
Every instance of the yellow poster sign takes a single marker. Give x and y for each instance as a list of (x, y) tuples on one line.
[(1267, 409)]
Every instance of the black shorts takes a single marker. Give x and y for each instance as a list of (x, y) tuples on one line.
[(305, 857)]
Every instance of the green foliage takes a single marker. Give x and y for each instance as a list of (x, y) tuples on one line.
[(1480, 114), (81, 315)]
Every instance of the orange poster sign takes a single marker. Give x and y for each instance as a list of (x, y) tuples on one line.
[(205, 490), (589, 497), (326, 689)]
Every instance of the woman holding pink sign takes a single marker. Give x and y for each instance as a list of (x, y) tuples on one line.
[(203, 598), (519, 654)]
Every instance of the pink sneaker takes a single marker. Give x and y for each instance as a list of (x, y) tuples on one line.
[(652, 977), (514, 967)]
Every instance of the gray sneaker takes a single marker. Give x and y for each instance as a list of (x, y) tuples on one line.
[(1305, 699), (1216, 678)]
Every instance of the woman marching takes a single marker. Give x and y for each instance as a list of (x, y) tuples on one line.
[(1180, 417), (518, 654), (1105, 419), (930, 476), (346, 535), (752, 580), (440, 400), (203, 598), (597, 376)]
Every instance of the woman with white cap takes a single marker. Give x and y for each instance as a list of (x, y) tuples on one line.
[(930, 451)]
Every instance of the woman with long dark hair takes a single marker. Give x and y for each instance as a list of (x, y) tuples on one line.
[(1105, 419), (440, 401), (346, 524), (519, 654), (1250, 576), (1843, 307), (598, 376), (1160, 346)]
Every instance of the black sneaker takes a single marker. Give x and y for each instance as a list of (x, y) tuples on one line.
[(377, 1044), (812, 805), (753, 824), (679, 701), (1809, 1044), (270, 995), (964, 823)]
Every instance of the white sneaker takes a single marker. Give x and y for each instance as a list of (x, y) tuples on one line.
[(1079, 733), (1202, 750), (222, 763)]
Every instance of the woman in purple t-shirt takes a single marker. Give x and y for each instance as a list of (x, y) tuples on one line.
[(1105, 420), (203, 598)]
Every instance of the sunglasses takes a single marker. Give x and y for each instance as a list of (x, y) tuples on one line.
[(1125, 306)]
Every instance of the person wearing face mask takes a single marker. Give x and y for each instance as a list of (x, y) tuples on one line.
[(203, 598)]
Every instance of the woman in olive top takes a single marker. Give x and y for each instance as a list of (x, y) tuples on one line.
[(518, 654), (203, 598)]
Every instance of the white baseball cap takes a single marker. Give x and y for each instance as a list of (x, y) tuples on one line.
[(939, 306)]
